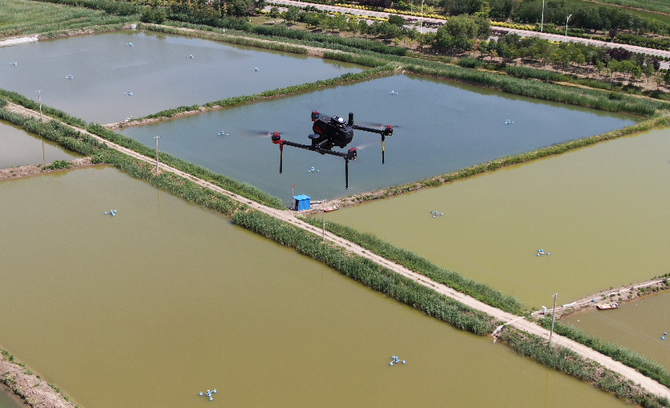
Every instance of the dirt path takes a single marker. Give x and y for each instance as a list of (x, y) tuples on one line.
[(507, 318)]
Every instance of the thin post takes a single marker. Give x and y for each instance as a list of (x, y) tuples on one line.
[(323, 219), (566, 24), (542, 21), (39, 99), (157, 137), (421, 21), (553, 319)]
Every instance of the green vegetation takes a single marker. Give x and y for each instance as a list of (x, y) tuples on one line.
[(644, 365), (57, 165), (368, 273), (590, 98), (421, 265), (47, 110), (22, 17), (567, 361), (290, 90)]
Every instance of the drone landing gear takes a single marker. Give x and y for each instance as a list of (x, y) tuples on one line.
[(351, 154)]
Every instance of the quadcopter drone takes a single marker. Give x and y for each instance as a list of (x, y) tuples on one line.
[(332, 132)]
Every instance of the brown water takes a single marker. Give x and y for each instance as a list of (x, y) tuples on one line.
[(638, 325), (600, 211), (18, 148), (147, 308), (8, 400)]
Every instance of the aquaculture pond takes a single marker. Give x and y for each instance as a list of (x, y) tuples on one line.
[(443, 127), (639, 325), (600, 211), (165, 300), (18, 148), (92, 76), (9, 401)]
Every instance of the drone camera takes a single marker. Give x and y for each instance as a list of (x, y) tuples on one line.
[(352, 154), (315, 116)]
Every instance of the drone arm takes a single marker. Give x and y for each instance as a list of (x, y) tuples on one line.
[(386, 131)]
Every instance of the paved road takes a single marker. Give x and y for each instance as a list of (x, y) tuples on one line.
[(523, 33), (290, 217)]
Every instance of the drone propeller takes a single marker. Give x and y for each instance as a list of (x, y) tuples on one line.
[(259, 133), (380, 126)]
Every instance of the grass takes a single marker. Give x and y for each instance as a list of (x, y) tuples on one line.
[(567, 361), (28, 17), (643, 364)]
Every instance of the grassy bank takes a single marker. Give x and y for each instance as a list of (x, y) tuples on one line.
[(644, 365), (421, 265), (275, 93), (567, 361), (368, 273), (49, 20), (658, 121)]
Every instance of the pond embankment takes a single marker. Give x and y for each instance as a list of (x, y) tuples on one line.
[(33, 390), (34, 170)]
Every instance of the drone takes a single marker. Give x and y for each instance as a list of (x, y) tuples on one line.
[(329, 132)]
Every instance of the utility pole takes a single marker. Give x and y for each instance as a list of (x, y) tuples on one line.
[(157, 137), (323, 219), (39, 99), (553, 319)]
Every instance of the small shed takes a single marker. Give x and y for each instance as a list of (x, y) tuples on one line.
[(301, 202)]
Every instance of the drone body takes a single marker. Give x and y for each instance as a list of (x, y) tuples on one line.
[(329, 132)]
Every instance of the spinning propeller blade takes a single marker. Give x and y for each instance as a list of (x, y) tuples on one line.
[(258, 133)]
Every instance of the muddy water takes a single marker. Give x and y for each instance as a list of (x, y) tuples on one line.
[(600, 211), (156, 69), (164, 300), (8, 401), (18, 148), (443, 127), (639, 326)]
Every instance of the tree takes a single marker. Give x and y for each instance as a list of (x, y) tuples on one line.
[(458, 7), (396, 20), (458, 34), (291, 14)]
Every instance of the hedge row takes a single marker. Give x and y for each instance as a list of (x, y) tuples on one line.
[(643, 364), (421, 265), (569, 362)]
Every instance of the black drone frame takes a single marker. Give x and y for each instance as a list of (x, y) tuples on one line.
[(325, 144)]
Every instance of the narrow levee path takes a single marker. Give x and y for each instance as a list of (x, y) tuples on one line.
[(290, 217)]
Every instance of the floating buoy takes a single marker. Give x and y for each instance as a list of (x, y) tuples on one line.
[(14, 63), (539, 254), (129, 44), (214, 391), (211, 399), (391, 363), (663, 337), (548, 253), (404, 362), (201, 393), (255, 69), (665, 334)]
